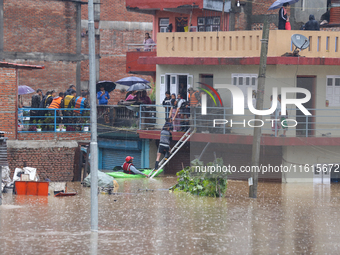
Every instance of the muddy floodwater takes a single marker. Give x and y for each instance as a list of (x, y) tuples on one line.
[(146, 219)]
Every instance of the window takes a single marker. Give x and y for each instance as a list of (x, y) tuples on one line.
[(245, 81), (333, 90), (163, 25), (208, 24)]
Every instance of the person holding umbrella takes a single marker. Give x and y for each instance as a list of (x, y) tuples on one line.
[(103, 96), (283, 17)]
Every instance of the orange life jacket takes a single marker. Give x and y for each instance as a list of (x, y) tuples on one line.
[(126, 168), (193, 99), (56, 102), (79, 104)]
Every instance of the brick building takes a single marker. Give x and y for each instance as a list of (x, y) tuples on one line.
[(53, 154), (53, 33)]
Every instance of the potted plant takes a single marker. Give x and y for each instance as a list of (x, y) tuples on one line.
[(39, 128), (58, 128), (33, 127), (63, 128)]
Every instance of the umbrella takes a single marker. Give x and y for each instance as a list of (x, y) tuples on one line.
[(23, 90), (277, 4), (138, 86), (128, 81), (108, 85)]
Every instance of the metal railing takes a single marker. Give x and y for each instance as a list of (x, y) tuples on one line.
[(53, 120), (322, 122), (142, 47)]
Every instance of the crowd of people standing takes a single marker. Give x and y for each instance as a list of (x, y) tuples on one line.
[(178, 109), (40, 104)]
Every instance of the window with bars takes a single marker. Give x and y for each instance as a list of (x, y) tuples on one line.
[(163, 25), (245, 81), (206, 24)]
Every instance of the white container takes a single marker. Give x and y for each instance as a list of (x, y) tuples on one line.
[(86, 129), (38, 129), (58, 129), (63, 130)]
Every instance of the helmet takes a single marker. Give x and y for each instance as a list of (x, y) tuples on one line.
[(128, 158)]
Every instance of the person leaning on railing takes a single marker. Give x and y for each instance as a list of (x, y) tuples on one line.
[(81, 103), (148, 42), (35, 103), (57, 103), (69, 102), (194, 98)]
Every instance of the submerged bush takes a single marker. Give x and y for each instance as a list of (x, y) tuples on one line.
[(202, 183)]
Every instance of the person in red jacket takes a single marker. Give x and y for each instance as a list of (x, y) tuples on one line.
[(129, 168)]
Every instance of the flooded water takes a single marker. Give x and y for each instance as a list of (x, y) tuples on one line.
[(147, 219)]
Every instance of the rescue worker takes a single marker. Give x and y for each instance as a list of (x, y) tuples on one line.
[(50, 98), (69, 102), (44, 104), (129, 168), (57, 103), (69, 90), (164, 144), (194, 97), (81, 103), (36, 100)]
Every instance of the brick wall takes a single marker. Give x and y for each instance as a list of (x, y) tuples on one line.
[(8, 101), (57, 75), (57, 164), (115, 10), (261, 7), (39, 26), (112, 44)]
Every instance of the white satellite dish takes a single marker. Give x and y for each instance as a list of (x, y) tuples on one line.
[(300, 42)]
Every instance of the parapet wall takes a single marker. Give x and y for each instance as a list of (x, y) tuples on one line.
[(53, 159)]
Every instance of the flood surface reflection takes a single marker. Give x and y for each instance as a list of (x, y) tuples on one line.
[(144, 218)]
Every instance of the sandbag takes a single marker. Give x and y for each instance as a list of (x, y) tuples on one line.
[(104, 180)]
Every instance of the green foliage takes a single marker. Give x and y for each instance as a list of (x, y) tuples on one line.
[(202, 184)]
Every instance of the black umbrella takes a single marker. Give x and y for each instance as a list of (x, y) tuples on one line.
[(108, 85)]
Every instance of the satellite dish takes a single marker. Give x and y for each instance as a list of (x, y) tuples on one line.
[(300, 41)]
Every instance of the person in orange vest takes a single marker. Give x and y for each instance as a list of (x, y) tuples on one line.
[(129, 168), (57, 103), (81, 103), (194, 98)]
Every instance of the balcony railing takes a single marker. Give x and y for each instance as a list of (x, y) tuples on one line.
[(53, 120), (245, 44), (322, 122), (142, 47), (121, 117)]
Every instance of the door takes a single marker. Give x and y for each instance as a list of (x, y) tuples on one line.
[(306, 125), (173, 84), (115, 157), (162, 89)]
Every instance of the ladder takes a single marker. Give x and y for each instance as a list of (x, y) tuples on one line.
[(174, 150)]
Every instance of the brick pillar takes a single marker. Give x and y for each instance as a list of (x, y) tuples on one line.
[(8, 92)]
